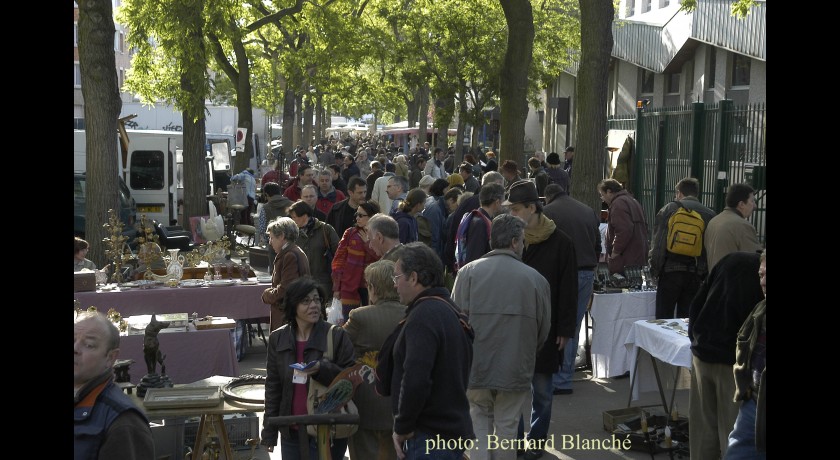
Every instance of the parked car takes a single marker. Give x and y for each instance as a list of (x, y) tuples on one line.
[(128, 208)]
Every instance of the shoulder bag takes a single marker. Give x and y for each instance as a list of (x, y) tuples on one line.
[(316, 390)]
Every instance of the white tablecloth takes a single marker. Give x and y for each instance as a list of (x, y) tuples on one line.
[(612, 316), (664, 344)]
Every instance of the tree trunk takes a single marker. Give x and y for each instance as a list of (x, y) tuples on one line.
[(462, 126), (423, 116), (513, 88), (596, 42), (193, 81), (288, 125), (443, 116), (308, 110), (195, 169), (243, 104), (299, 139), (319, 118), (102, 108)]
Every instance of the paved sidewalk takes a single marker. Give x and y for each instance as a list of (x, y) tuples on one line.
[(576, 418)]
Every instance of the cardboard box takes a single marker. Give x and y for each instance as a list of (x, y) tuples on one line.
[(613, 417), (84, 281)]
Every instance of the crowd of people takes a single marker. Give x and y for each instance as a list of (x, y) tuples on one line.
[(413, 246)]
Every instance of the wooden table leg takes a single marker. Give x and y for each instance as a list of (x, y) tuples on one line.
[(212, 434)]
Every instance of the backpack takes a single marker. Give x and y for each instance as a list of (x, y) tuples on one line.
[(685, 232), (461, 236)]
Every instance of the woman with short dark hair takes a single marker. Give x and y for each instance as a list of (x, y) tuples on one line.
[(302, 339)]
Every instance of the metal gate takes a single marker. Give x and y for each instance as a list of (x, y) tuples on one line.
[(719, 144)]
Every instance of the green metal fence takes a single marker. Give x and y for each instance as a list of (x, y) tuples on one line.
[(719, 144)]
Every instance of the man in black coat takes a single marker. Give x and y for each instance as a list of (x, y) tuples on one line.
[(722, 304), (552, 253)]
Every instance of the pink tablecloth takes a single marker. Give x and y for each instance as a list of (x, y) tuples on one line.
[(190, 356), (237, 302)]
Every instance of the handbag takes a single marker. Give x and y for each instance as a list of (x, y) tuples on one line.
[(317, 389)]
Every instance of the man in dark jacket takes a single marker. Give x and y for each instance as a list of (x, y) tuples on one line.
[(552, 253), (106, 424), (627, 233), (721, 306), (678, 276), (432, 357), (580, 222), (341, 215)]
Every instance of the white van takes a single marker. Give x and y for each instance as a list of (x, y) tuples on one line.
[(153, 168)]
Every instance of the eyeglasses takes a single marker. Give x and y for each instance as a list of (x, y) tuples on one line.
[(358, 214), (309, 300), (395, 277)]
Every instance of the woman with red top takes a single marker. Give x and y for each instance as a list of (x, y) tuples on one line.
[(302, 339), (351, 258)]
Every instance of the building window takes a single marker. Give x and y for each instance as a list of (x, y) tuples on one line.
[(664, 3), (631, 7), (710, 75), (740, 70), (645, 6), (75, 34), (672, 83), (122, 43), (645, 81), (77, 75), (121, 78)]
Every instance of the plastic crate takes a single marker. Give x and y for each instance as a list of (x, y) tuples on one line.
[(175, 436)]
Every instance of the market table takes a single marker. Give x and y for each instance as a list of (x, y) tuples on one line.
[(663, 340), (236, 301), (211, 424), (612, 316), (190, 355)]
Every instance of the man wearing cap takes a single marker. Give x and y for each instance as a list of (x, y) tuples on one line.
[(556, 173), (300, 159), (552, 253), (580, 222)]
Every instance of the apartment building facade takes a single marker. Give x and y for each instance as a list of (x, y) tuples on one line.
[(670, 58)]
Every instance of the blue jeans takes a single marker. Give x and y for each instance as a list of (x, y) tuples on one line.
[(418, 448), (563, 378), (290, 448), (742, 438), (542, 395)]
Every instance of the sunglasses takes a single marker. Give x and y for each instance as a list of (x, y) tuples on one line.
[(358, 214)]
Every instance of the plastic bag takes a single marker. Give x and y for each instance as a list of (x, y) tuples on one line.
[(334, 312)]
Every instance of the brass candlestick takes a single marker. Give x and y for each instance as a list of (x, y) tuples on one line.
[(116, 247)]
